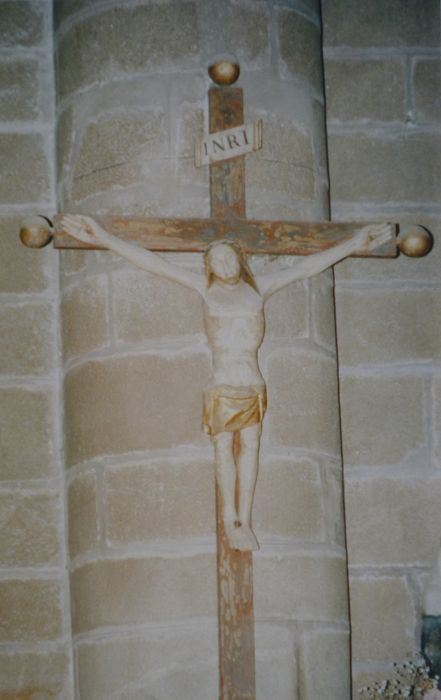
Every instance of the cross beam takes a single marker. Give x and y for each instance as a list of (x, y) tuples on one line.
[(194, 235)]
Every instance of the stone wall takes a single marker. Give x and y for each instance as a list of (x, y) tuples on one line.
[(131, 92), (35, 647), (382, 68)]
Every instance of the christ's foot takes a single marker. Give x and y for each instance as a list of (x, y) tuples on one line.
[(236, 537), (241, 537), (253, 544)]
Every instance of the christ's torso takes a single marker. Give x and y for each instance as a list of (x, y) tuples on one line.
[(234, 324)]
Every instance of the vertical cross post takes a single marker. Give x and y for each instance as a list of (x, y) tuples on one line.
[(234, 568)]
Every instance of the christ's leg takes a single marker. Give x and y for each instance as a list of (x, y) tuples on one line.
[(226, 475), (248, 464)]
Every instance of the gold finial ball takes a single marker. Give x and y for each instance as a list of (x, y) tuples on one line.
[(415, 241), (224, 69), (35, 232)]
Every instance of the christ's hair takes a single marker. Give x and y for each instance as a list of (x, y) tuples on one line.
[(245, 271)]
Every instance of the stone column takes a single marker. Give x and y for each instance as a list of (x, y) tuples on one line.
[(132, 86), (35, 645)]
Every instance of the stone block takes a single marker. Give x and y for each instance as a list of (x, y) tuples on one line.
[(388, 168), (64, 140), (160, 36), (18, 88), (285, 142), (85, 316), (134, 403), (29, 529), (427, 90), (388, 325), (312, 5), (400, 269), (115, 148), (88, 261), (25, 175), (381, 419), (283, 170), (324, 665), (30, 610), (276, 664), (323, 310), (189, 124), (282, 206), (26, 338), (287, 313), (393, 521), (148, 307), (179, 189), (332, 495), (365, 89), (34, 675), (139, 93), (175, 663), (21, 23), (137, 591), (350, 23), (300, 587), (83, 514), (175, 188), (21, 270), (159, 500), (270, 99), (436, 390), (63, 9), (302, 408), (300, 48), (27, 448), (422, 580), (288, 500), (279, 178), (247, 26), (382, 619), (317, 123)]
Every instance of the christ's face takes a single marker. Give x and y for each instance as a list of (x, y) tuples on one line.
[(224, 263)]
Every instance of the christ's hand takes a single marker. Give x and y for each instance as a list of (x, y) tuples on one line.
[(371, 237), (83, 228)]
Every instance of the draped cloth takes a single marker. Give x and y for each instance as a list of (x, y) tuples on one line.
[(230, 408)]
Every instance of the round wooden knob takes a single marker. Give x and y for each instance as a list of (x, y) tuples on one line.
[(35, 232), (224, 69), (415, 241)]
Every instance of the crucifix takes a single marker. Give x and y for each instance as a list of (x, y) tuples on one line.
[(235, 400)]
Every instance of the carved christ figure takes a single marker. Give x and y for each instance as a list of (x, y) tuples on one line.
[(233, 302)]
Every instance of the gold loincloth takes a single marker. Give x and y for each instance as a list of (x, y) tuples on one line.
[(230, 408)]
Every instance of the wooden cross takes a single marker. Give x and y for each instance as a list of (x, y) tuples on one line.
[(227, 193)]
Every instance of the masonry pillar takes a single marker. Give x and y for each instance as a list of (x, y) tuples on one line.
[(132, 86)]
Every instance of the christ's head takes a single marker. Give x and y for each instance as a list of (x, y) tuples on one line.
[(226, 262)]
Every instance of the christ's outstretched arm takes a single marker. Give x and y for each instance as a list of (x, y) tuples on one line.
[(87, 230), (368, 238)]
